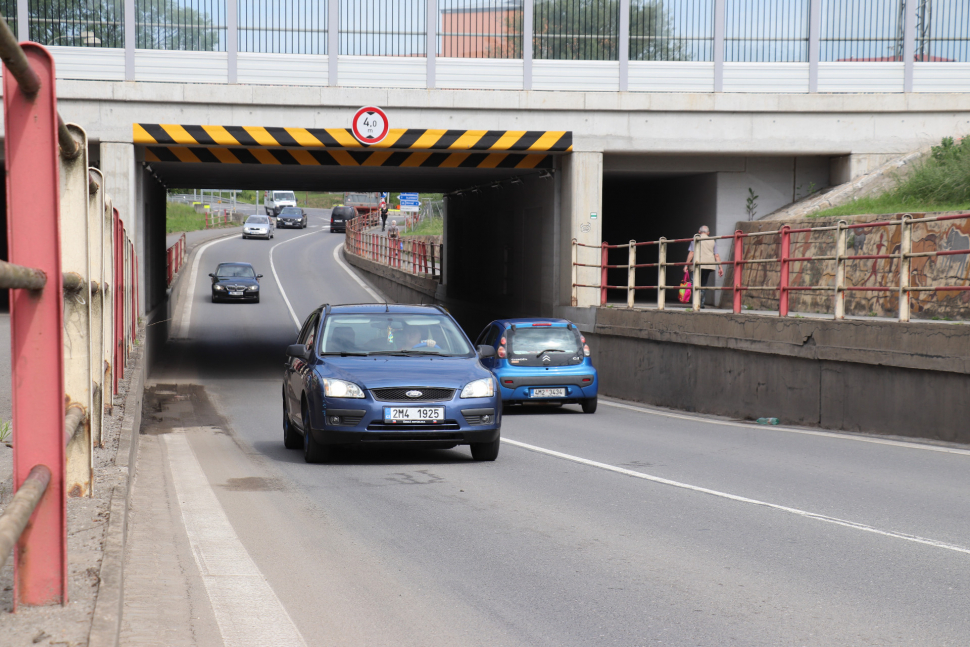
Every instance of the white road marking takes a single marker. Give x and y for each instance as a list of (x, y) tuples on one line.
[(190, 297), (246, 609), (276, 276), (740, 499), (793, 430), (336, 256)]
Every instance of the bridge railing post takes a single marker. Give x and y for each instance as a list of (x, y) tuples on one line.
[(631, 276), (696, 276), (783, 291), (840, 254), (604, 261), (736, 283), (574, 294), (661, 273), (905, 249)]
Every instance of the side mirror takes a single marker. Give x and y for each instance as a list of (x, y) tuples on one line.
[(212, 275), (259, 276), (297, 350), (486, 351)]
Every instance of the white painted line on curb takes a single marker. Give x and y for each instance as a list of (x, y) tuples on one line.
[(740, 499), (336, 256), (793, 430), (244, 604), (276, 276), (190, 288)]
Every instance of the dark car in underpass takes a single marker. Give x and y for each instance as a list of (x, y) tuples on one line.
[(339, 217), (291, 217), (377, 373), (541, 361), (235, 282)]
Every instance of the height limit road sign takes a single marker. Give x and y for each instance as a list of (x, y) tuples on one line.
[(410, 202), (370, 125)]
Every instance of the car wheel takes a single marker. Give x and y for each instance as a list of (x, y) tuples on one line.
[(313, 452), (486, 451), (589, 405), (214, 299), (291, 439)]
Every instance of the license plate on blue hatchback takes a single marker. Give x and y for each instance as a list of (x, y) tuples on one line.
[(548, 393), (414, 414)]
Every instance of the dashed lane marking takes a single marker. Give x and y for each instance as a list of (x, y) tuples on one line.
[(276, 276), (244, 604), (740, 499)]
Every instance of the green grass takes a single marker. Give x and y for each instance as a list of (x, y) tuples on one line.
[(941, 182), (432, 227), (182, 217)]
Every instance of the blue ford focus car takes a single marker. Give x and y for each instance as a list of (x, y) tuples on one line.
[(362, 374), (541, 360)]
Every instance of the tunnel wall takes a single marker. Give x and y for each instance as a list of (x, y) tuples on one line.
[(150, 203), (869, 376)]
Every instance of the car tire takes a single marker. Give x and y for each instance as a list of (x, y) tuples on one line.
[(313, 452), (486, 451), (589, 405), (291, 439), (214, 299)]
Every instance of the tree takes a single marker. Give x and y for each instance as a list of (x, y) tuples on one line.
[(652, 37), (168, 24), (76, 23)]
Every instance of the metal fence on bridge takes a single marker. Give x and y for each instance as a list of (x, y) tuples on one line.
[(72, 276), (411, 256), (587, 259)]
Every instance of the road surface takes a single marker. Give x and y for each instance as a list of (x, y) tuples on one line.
[(632, 526)]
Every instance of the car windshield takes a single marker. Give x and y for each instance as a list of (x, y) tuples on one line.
[(290, 211), (389, 333), (532, 341), (257, 220), (227, 270), (284, 195)]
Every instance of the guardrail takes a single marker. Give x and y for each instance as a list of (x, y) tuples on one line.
[(411, 256), (904, 256), (174, 258), (66, 335)]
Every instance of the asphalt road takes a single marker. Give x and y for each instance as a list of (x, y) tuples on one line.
[(629, 527)]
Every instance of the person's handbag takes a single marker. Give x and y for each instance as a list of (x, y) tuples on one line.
[(685, 286)]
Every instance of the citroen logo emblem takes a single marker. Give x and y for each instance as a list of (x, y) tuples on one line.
[(414, 394), (546, 358)]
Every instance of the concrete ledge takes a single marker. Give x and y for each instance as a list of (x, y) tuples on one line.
[(872, 376), (397, 285)]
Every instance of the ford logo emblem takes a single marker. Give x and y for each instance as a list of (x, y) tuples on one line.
[(414, 394)]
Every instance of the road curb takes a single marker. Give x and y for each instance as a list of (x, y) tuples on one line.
[(109, 605)]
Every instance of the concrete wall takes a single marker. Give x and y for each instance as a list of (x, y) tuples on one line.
[(870, 376)]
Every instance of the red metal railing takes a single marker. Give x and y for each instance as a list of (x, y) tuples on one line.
[(174, 258), (411, 256), (785, 260), (36, 144)]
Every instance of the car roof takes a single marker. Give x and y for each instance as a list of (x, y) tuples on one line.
[(396, 308), (236, 263), (525, 320)]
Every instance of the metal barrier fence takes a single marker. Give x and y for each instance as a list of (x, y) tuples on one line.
[(480, 29), (382, 28), (187, 25), (411, 256), (174, 258), (672, 31), (839, 288), (766, 30), (577, 30), (68, 338), (282, 26)]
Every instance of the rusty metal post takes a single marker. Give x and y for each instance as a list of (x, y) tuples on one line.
[(574, 300), (37, 327), (840, 254), (696, 276), (631, 276), (905, 249), (783, 281), (604, 278), (110, 288), (738, 268), (21, 507), (75, 250), (661, 273), (117, 332)]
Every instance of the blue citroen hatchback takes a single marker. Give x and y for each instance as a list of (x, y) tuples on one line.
[(540, 360), (388, 374)]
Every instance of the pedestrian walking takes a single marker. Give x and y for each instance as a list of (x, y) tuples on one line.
[(393, 231), (707, 258), (383, 216)]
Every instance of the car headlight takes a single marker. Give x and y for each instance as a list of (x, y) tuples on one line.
[(340, 389), (484, 388), (218, 287), (253, 288)]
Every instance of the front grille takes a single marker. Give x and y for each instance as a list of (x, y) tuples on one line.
[(403, 430), (428, 394)]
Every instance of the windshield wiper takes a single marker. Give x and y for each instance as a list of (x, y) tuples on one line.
[(403, 353), (550, 350), (346, 353)]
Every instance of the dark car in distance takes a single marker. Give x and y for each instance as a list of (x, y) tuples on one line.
[(339, 217), (235, 282), (291, 217), (377, 374)]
